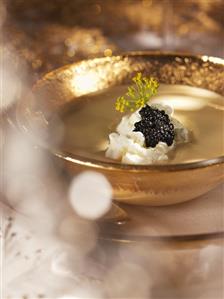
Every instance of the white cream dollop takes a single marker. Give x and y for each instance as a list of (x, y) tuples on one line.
[(128, 146)]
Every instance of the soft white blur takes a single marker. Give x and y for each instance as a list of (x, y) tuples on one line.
[(90, 195), (127, 280), (30, 185), (81, 234), (10, 84), (69, 297)]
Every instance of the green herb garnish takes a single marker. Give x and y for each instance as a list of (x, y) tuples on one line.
[(137, 95)]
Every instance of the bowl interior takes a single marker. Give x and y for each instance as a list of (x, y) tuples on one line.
[(87, 122)]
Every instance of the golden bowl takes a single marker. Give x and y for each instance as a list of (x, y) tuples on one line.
[(134, 184)]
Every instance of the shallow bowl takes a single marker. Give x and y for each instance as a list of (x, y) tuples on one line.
[(133, 184)]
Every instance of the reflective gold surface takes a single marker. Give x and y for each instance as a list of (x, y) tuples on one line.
[(150, 185)]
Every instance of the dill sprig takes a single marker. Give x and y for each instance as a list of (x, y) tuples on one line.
[(137, 95)]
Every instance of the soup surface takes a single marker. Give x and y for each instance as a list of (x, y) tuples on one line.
[(89, 120)]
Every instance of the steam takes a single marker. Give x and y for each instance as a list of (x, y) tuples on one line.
[(10, 83)]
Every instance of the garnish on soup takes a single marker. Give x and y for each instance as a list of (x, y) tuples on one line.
[(148, 134)]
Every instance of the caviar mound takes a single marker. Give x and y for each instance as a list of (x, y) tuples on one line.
[(156, 126)]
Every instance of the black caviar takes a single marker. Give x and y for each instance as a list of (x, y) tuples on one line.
[(155, 125)]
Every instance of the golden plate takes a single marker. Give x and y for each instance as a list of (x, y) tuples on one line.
[(134, 184)]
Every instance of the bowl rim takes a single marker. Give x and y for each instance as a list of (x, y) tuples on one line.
[(113, 165), (164, 239)]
